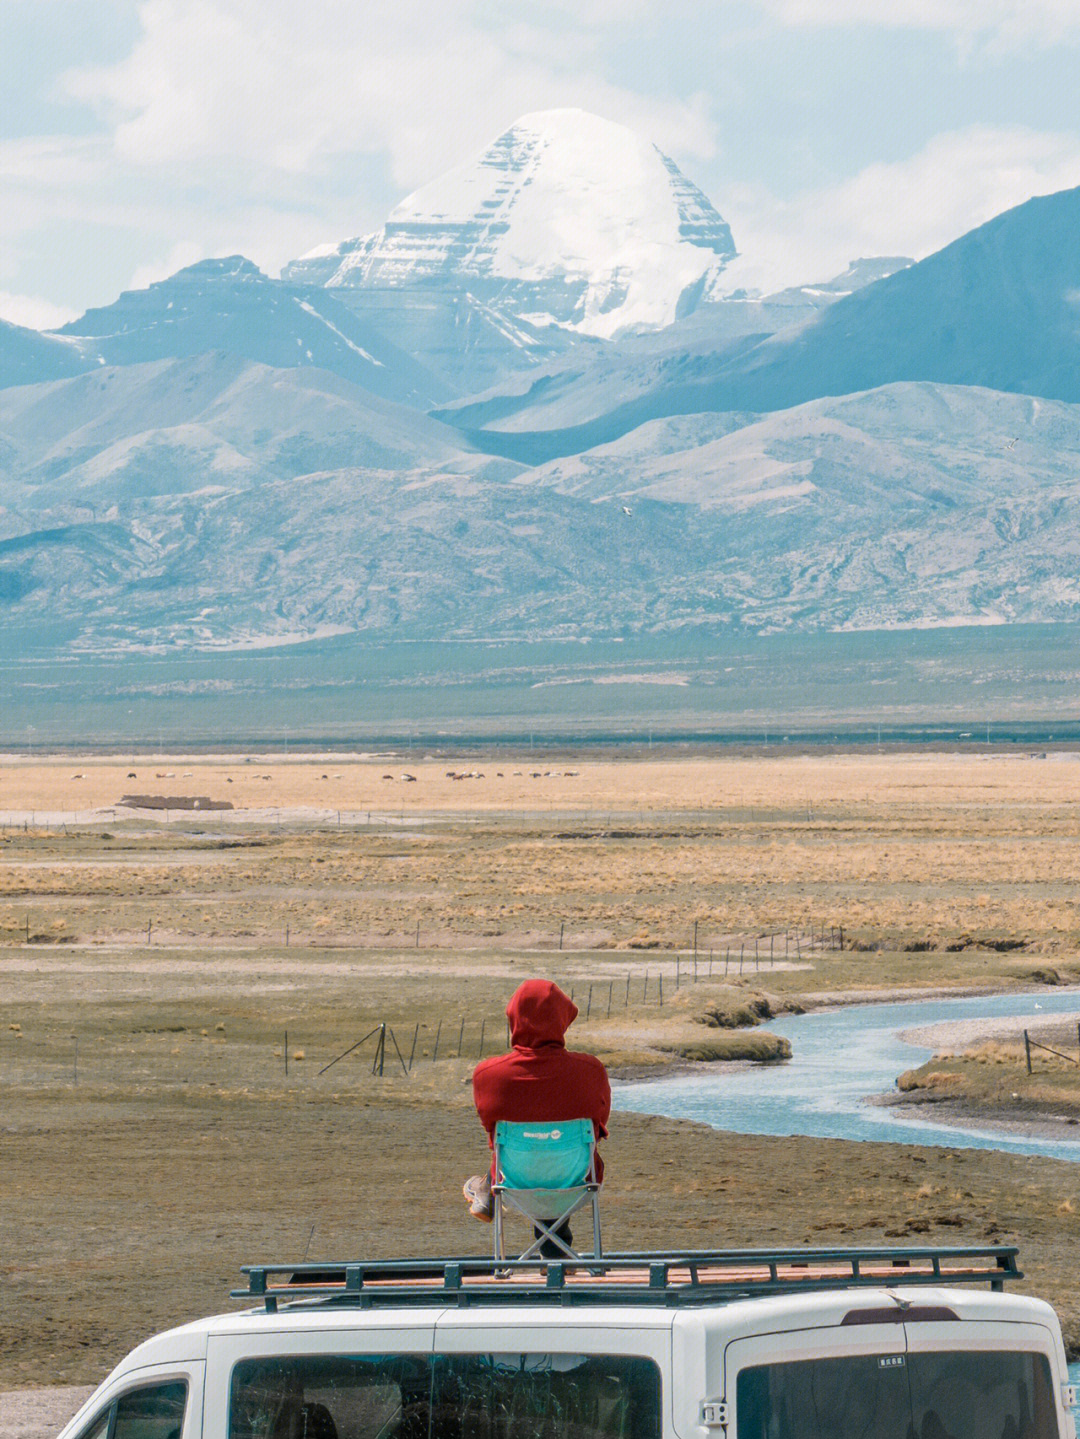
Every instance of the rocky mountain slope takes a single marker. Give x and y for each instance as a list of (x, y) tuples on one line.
[(997, 308), (564, 219), (122, 434), (910, 505), (241, 462), (231, 306), (28, 357)]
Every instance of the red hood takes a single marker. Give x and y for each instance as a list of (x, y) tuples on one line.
[(539, 1013)]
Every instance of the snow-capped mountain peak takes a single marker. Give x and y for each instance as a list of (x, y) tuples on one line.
[(566, 218)]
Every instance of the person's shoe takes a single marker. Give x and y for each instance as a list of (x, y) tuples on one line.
[(477, 1191)]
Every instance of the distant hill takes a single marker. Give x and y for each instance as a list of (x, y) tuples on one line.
[(230, 305), (28, 357), (907, 506), (124, 434), (998, 308)]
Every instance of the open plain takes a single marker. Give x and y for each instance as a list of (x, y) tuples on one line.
[(176, 983)]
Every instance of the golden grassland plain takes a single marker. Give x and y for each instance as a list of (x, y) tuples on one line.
[(152, 1139)]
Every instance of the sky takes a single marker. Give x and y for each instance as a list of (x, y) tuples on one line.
[(138, 136)]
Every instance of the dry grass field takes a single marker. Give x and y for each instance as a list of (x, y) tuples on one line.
[(899, 850), (149, 967)]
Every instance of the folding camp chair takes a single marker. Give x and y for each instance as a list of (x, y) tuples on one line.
[(547, 1172)]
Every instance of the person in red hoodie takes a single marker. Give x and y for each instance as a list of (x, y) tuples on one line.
[(540, 1079)]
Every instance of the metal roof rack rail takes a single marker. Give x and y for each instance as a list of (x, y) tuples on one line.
[(672, 1277)]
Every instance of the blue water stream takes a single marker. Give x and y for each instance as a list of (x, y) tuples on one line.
[(841, 1057)]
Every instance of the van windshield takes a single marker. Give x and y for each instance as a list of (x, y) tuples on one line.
[(992, 1395), (446, 1396)]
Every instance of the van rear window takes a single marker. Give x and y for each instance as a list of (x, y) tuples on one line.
[(946, 1395), (446, 1396)]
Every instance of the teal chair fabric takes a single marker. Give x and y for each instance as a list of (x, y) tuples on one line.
[(545, 1156), (546, 1171)]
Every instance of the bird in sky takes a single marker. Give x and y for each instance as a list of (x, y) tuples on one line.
[(627, 510)]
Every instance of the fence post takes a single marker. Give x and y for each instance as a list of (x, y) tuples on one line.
[(562, 927), (461, 1036), (695, 936), (397, 1051), (661, 989), (415, 1037), (1027, 1050), (435, 1050), (588, 1006), (627, 1004), (483, 1026), (610, 992)]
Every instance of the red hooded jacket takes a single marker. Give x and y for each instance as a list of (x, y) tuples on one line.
[(540, 1079)]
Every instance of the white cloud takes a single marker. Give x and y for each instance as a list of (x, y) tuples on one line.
[(266, 127), (33, 312), (998, 22), (287, 89), (914, 207)]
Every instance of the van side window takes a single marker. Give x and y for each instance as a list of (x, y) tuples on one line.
[(448, 1396), (100, 1427), (155, 1411), (921, 1395), (331, 1396), (545, 1396)]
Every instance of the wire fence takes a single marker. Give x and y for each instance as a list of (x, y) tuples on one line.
[(245, 1058), (1030, 1044)]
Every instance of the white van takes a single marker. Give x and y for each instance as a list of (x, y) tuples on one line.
[(793, 1344)]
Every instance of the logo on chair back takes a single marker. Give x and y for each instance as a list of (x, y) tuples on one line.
[(543, 1134)]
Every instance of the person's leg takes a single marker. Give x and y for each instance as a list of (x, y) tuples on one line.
[(548, 1248), (477, 1191)]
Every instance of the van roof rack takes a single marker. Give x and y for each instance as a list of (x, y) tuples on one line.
[(671, 1277)]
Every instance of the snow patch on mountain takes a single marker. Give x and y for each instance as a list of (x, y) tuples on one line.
[(565, 219)]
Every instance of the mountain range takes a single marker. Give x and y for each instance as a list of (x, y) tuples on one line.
[(527, 408)]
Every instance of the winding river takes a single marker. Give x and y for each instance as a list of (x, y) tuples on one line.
[(841, 1057)]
